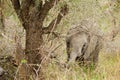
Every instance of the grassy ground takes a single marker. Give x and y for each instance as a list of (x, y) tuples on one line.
[(109, 64), (108, 69)]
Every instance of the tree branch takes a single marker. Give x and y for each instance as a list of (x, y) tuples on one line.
[(16, 5), (25, 5), (46, 7), (56, 21), (17, 8)]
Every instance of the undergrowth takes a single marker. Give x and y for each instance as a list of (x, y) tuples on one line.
[(107, 69)]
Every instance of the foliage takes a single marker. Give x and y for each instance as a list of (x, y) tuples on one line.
[(103, 11)]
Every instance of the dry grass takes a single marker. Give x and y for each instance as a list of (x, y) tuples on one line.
[(108, 69), (109, 64)]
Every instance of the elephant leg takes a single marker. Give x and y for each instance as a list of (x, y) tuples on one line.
[(72, 57), (93, 59), (96, 55)]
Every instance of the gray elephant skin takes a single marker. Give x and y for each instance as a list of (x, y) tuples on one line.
[(83, 44)]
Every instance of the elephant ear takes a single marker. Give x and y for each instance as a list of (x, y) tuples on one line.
[(91, 46)]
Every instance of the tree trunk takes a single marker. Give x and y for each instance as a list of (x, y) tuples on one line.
[(32, 16), (33, 56), (33, 42)]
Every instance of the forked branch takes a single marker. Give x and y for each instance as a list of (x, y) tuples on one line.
[(56, 21), (46, 7), (16, 5)]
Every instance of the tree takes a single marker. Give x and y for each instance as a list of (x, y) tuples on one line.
[(32, 14)]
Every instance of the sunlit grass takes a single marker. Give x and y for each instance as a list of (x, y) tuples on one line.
[(109, 64), (108, 69)]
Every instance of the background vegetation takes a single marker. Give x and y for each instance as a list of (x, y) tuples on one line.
[(105, 12)]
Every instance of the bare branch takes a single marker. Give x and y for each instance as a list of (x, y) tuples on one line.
[(56, 21)]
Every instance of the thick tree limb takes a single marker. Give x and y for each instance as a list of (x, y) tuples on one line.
[(46, 7), (56, 21), (16, 5), (40, 5), (17, 8), (25, 5)]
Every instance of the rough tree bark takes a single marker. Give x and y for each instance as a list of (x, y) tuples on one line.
[(32, 16)]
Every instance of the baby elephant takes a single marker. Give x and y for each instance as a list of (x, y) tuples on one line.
[(82, 46)]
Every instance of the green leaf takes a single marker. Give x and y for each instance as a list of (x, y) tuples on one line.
[(23, 61)]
